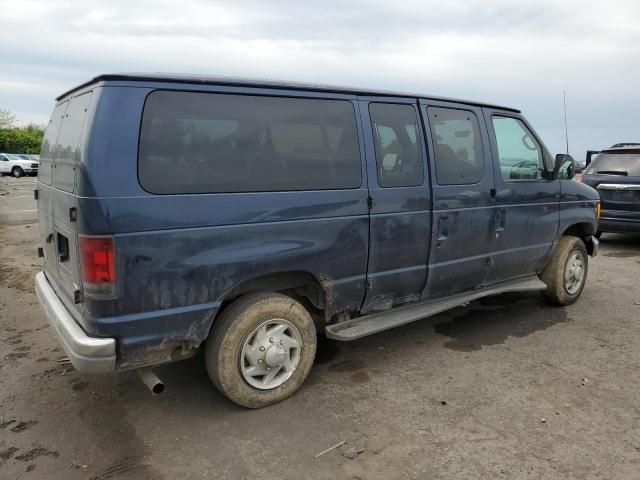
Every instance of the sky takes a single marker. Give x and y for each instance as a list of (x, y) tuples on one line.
[(520, 54)]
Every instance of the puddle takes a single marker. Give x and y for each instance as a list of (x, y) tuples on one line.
[(347, 366), (482, 326), (360, 377)]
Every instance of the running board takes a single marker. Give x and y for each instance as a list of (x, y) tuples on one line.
[(378, 322)]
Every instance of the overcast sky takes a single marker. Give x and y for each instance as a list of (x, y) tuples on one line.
[(521, 54)]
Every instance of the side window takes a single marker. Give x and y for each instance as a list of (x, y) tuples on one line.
[(214, 143), (519, 153), (457, 145), (398, 156)]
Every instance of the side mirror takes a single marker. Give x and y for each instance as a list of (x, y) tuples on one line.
[(564, 166)]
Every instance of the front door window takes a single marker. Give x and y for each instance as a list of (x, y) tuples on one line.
[(519, 152)]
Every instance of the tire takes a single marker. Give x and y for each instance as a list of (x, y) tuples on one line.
[(238, 336), (599, 234), (562, 286), (17, 172)]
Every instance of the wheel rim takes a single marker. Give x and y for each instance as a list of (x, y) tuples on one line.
[(574, 273), (16, 172), (270, 354)]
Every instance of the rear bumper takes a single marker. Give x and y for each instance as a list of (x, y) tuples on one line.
[(87, 354)]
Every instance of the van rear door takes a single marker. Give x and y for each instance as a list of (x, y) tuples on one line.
[(56, 200)]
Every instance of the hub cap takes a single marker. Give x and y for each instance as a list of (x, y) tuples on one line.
[(271, 353), (574, 273)]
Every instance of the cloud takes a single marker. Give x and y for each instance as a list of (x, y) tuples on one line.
[(522, 54)]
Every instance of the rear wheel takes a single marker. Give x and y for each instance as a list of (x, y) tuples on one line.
[(566, 272), (261, 349), (17, 172)]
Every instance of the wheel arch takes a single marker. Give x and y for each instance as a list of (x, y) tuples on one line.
[(585, 231), (304, 283), (304, 286)]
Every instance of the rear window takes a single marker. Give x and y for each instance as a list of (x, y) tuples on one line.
[(60, 146), (210, 143), (49, 142), (616, 164)]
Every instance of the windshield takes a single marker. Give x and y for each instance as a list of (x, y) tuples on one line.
[(13, 156), (625, 164)]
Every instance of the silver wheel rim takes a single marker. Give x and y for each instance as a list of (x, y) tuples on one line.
[(270, 354), (574, 273), (16, 172)]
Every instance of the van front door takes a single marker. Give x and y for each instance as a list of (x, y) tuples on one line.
[(400, 201), (526, 204), (463, 197)]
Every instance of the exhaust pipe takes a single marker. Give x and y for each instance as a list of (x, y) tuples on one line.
[(150, 379)]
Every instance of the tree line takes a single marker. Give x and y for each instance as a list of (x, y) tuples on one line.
[(15, 139)]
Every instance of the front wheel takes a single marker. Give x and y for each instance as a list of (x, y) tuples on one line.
[(566, 272), (17, 172), (261, 349)]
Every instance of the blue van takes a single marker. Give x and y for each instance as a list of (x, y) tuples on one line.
[(241, 218)]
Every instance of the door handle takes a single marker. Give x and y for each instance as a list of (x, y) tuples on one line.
[(443, 228), (500, 219)]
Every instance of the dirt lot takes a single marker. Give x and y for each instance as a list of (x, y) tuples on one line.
[(504, 388)]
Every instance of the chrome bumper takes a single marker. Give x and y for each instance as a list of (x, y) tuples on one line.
[(87, 354)]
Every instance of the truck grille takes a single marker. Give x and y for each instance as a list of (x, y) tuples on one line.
[(34, 165)]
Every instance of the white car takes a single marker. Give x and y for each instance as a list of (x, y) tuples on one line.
[(17, 166)]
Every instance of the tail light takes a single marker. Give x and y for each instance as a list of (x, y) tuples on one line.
[(98, 265), (578, 177)]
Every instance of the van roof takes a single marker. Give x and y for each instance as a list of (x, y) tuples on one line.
[(260, 83)]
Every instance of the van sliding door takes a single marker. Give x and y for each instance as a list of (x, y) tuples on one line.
[(463, 193), (400, 202)]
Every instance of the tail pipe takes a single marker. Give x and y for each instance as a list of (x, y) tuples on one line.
[(151, 380)]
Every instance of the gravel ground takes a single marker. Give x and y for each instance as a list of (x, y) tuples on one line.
[(504, 388)]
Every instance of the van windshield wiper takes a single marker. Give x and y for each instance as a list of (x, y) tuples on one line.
[(623, 173)]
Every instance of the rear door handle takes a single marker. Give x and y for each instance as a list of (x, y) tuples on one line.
[(443, 228), (500, 219)]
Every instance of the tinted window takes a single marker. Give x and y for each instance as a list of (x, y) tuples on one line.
[(398, 157), (207, 143), (616, 164), (519, 153), (457, 145)]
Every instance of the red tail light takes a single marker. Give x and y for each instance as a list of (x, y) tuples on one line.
[(97, 261), (578, 177)]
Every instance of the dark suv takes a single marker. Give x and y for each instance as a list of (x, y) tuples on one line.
[(615, 173), (239, 217)]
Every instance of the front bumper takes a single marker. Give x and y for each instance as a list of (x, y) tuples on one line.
[(618, 224), (87, 354)]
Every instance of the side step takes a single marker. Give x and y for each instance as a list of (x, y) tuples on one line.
[(378, 322)]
